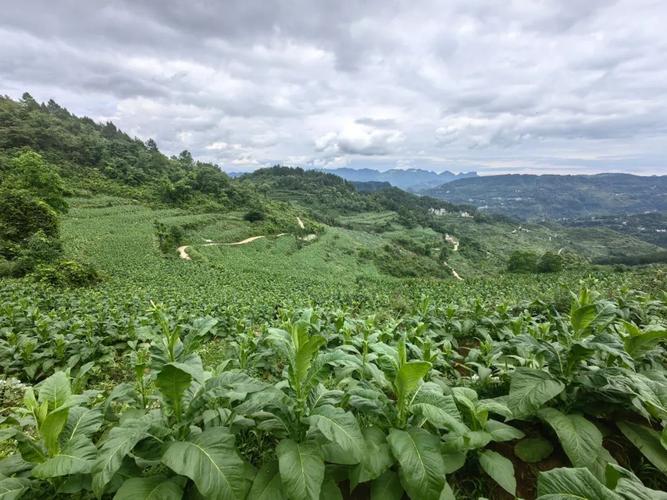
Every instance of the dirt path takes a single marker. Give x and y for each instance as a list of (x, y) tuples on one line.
[(182, 252), (454, 273), (453, 241)]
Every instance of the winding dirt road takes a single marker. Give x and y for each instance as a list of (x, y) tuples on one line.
[(183, 250)]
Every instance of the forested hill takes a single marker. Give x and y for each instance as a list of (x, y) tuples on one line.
[(535, 197), (101, 158)]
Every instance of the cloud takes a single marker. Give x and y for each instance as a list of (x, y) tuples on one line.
[(359, 140), (519, 86)]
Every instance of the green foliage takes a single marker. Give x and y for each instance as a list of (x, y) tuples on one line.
[(31, 173), (67, 273), (254, 216), (522, 262), (22, 215), (549, 263), (529, 262)]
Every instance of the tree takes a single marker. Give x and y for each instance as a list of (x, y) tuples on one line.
[(22, 215), (445, 252), (522, 262), (550, 263), (185, 158), (151, 145), (32, 173), (254, 215)]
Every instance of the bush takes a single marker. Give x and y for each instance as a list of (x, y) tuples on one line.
[(254, 216), (550, 263), (522, 262), (38, 249), (169, 237), (22, 215), (67, 273)]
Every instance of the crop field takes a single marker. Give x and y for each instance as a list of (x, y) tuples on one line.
[(296, 370)]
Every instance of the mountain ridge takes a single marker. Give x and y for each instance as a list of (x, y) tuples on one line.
[(558, 197)]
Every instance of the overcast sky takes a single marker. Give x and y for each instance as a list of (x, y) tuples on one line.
[(564, 86)]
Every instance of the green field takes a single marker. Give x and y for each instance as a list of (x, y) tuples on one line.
[(300, 351)]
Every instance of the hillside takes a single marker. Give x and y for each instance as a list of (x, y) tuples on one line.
[(99, 158), (411, 179), (559, 197)]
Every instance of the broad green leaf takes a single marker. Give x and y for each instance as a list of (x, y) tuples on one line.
[(502, 432), (301, 469), (31, 450), (267, 484), (305, 355), (51, 428), (500, 469), (77, 457), (440, 410), (579, 483), (387, 487), (334, 454), (582, 317), (640, 344), (635, 490), (173, 382), (13, 488), (330, 490), (55, 390), (422, 470), (496, 406), (150, 488), (581, 440), (117, 445), (377, 457), (211, 461), (340, 427), (647, 441), (447, 493), (81, 422), (532, 450), (453, 460), (626, 484), (410, 375), (530, 389)]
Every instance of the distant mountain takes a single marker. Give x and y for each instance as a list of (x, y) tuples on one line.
[(561, 197), (412, 179)]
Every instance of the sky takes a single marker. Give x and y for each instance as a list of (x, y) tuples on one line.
[(520, 86)]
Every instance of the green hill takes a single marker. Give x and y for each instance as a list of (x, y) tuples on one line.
[(559, 197)]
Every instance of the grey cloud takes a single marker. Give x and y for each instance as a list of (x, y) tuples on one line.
[(367, 82)]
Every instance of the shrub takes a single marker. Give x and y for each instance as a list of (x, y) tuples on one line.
[(522, 262), (550, 263), (38, 249), (67, 273), (22, 215), (254, 216), (169, 237)]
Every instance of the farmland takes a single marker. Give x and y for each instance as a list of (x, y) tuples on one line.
[(264, 356)]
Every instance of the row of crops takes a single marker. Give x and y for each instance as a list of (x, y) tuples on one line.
[(446, 396)]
